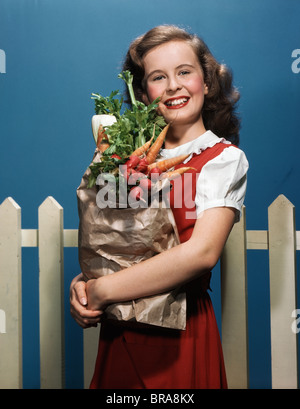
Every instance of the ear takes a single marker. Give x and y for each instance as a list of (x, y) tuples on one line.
[(205, 89)]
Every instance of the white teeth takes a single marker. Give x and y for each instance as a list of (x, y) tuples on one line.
[(176, 101)]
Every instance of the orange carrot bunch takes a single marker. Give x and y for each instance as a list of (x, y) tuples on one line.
[(142, 166)]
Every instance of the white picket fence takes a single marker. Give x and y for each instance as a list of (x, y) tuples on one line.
[(281, 240)]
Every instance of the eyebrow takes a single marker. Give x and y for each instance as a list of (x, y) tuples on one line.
[(178, 67)]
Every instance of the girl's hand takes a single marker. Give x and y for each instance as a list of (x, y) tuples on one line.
[(78, 304), (95, 290)]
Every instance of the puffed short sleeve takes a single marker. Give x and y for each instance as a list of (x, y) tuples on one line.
[(222, 181)]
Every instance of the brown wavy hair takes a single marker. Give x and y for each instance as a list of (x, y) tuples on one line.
[(219, 109)]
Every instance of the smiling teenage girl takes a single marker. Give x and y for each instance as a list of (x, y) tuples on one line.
[(181, 88), (197, 99)]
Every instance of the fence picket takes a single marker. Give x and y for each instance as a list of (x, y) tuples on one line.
[(281, 240), (50, 240), (90, 349), (234, 306), (282, 259), (10, 295)]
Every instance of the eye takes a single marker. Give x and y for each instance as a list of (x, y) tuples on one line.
[(157, 78), (184, 72)]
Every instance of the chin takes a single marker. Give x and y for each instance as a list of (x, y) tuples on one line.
[(177, 119)]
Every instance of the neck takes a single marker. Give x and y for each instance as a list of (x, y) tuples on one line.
[(180, 134)]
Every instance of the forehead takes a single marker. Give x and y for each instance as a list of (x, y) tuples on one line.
[(170, 54)]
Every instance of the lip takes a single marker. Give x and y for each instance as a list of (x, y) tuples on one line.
[(177, 106)]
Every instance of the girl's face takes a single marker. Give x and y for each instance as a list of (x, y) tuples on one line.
[(173, 72)]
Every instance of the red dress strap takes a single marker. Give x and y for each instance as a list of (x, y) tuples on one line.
[(183, 192)]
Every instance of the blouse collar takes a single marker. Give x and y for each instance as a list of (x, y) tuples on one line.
[(204, 141)]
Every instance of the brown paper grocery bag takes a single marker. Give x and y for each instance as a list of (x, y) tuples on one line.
[(111, 239)]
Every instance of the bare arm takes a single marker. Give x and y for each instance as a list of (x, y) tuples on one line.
[(169, 269)]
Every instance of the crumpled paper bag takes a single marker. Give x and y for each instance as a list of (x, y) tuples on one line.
[(111, 239)]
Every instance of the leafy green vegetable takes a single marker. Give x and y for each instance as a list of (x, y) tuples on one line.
[(107, 165), (108, 105), (132, 129)]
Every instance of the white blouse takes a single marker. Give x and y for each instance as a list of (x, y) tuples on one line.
[(222, 180)]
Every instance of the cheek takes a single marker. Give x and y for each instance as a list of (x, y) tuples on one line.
[(196, 86), (154, 91)]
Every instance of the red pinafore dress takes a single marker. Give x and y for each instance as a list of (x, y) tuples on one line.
[(162, 358)]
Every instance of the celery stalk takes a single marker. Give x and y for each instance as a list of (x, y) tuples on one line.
[(128, 78)]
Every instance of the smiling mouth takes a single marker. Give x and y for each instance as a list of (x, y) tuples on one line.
[(175, 103)]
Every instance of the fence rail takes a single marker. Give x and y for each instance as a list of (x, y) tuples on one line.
[(281, 240)]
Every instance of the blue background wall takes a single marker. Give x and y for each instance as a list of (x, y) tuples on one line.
[(59, 52)]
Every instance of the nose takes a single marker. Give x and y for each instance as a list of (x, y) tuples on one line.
[(173, 84)]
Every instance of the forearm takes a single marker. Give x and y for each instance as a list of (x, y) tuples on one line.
[(169, 269), (156, 275)]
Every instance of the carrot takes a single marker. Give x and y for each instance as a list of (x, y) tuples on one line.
[(101, 134), (153, 151), (101, 145), (166, 164), (142, 149), (175, 173)]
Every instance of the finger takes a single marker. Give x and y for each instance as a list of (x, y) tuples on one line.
[(84, 316), (89, 314), (83, 309), (80, 290), (85, 321)]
